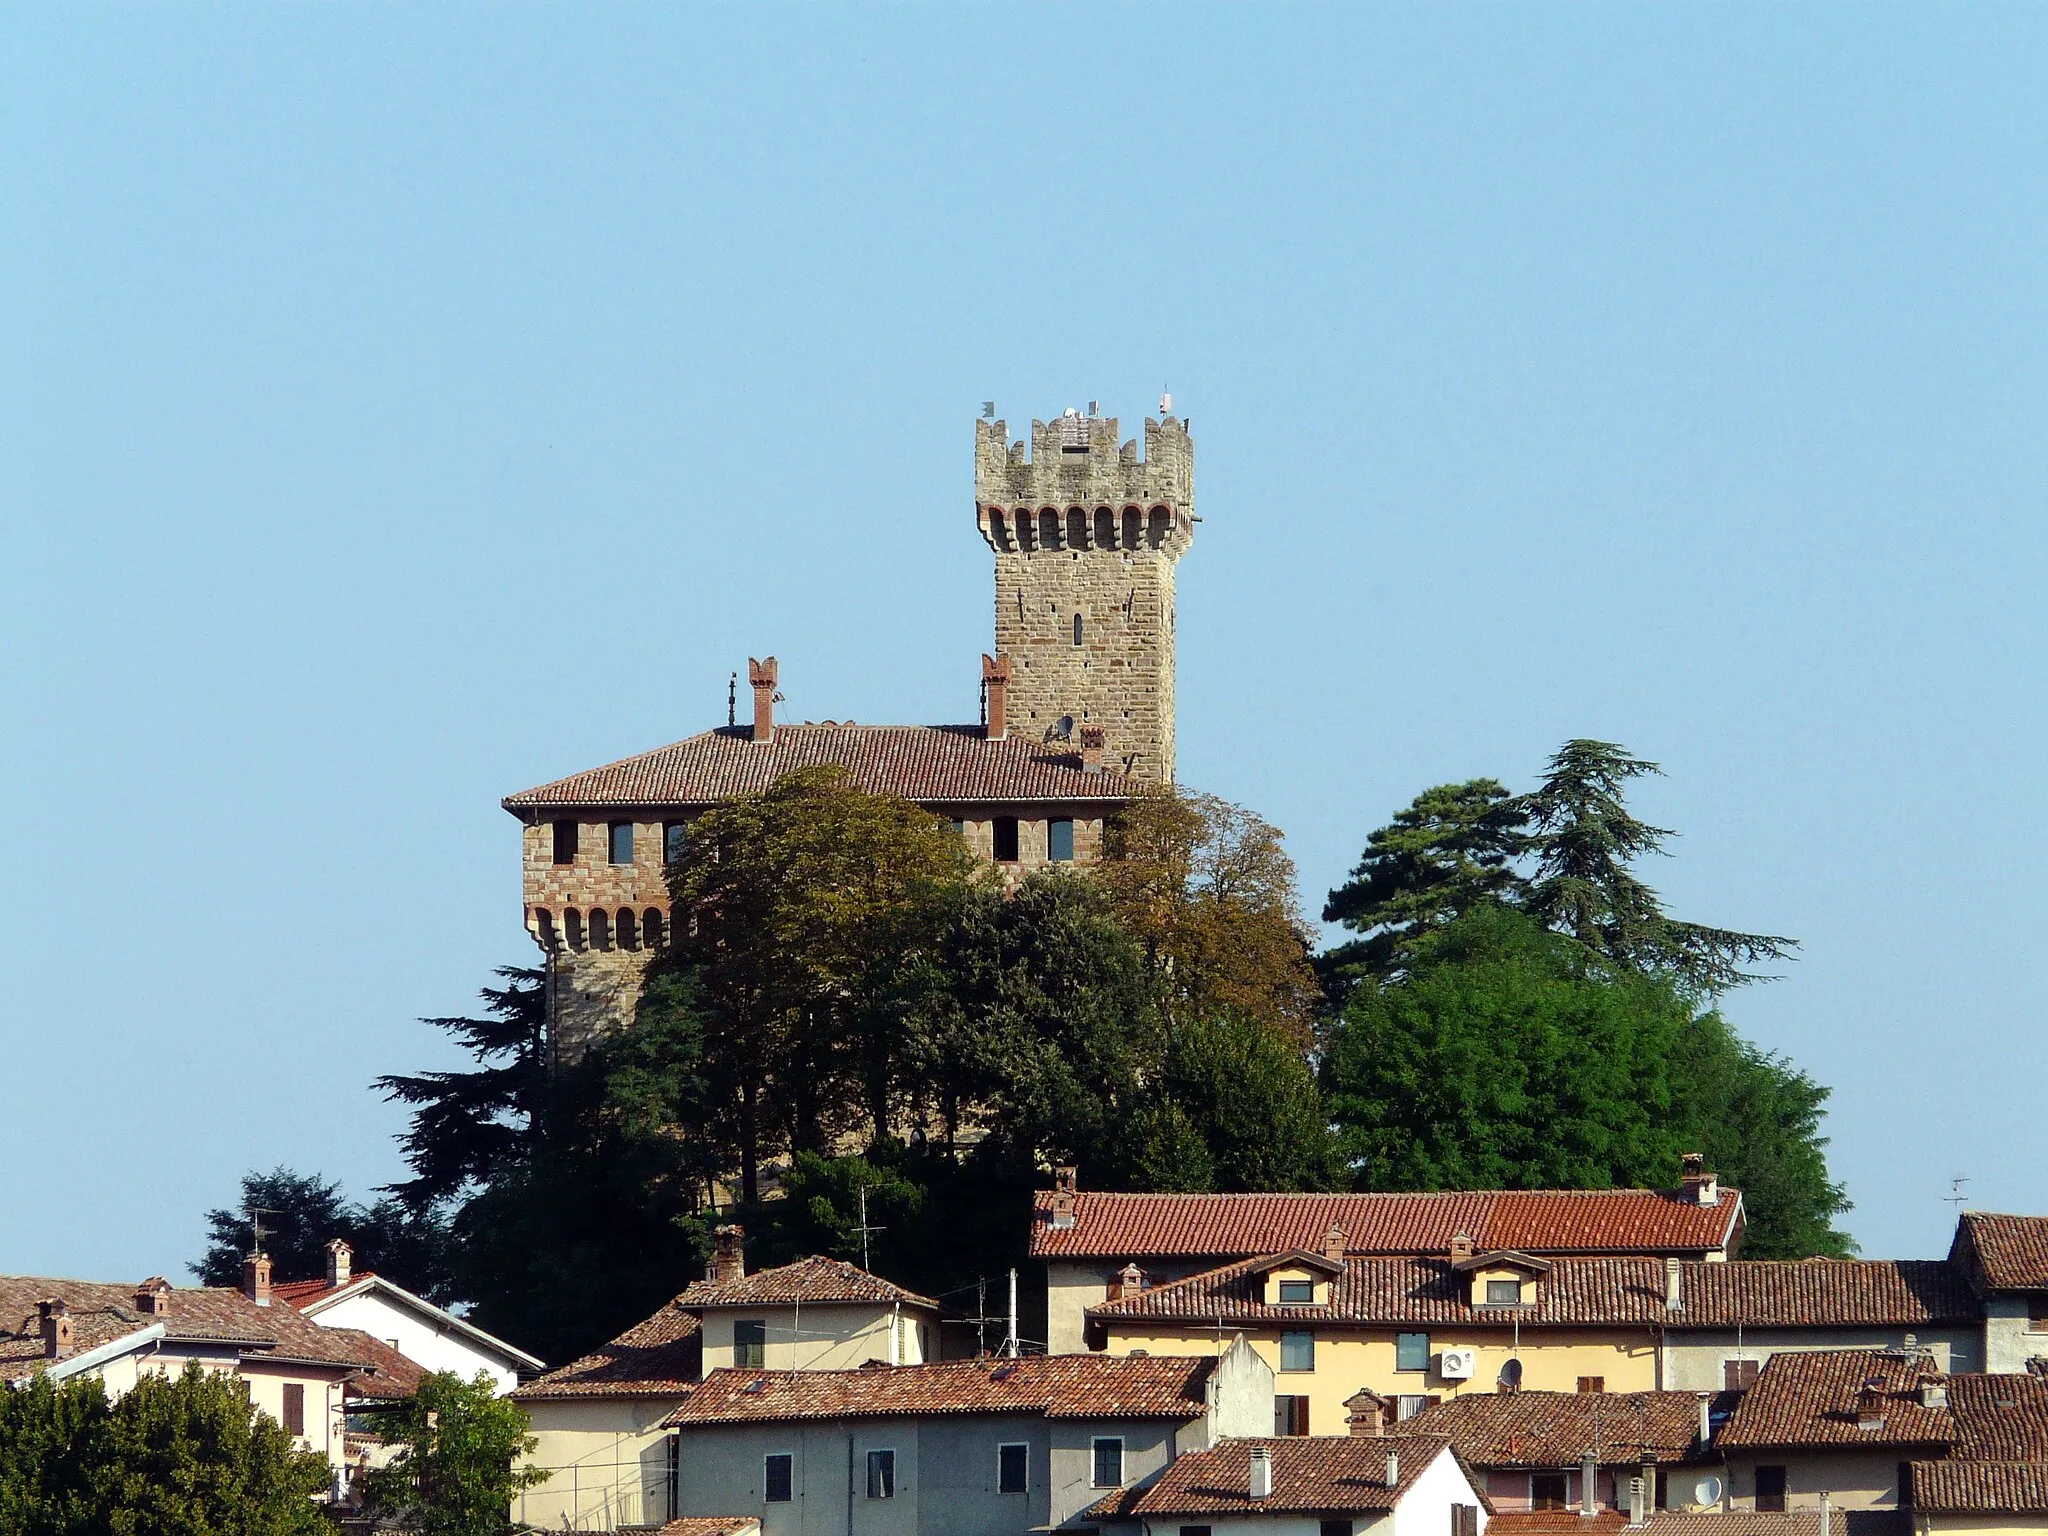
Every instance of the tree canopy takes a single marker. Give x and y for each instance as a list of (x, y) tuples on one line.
[(453, 1471), (302, 1212)]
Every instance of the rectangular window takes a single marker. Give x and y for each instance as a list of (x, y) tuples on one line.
[(1059, 840), (1503, 1293), (1739, 1375), (881, 1474), (2037, 1312), (1297, 1351), (1109, 1461), (1006, 839), (1198, 1530), (1297, 1293), (1548, 1490), (622, 842), (294, 1408), (675, 837), (1411, 1351), (777, 1477), (1290, 1414), (1409, 1404), (565, 842), (1770, 1489), (1333, 1528), (1592, 1383), (1013, 1464), (750, 1345)]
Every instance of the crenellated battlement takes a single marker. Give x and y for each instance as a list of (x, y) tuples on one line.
[(1076, 487)]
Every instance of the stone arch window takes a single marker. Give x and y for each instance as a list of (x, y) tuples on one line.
[(572, 928), (1077, 629), (628, 929), (1077, 527), (1160, 524), (999, 525), (651, 926), (1105, 528), (600, 928), (1048, 528), (1133, 521), (544, 923)]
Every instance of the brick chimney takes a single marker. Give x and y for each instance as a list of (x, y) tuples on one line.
[(256, 1278), (55, 1320), (761, 678), (728, 1253), (339, 1257), (1333, 1244), (995, 683), (1696, 1186), (1092, 738), (153, 1297), (1461, 1247), (1066, 1182), (1365, 1414), (1128, 1282)]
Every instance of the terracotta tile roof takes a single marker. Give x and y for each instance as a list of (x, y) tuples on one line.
[(1560, 1429), (1618, 1291), (1828, 1397), (1320, 1475), (101, 1313), (1980, 1487), (941, 764), (1999, 1417), (1555, 1522), (1687, 1522), (1592, 1221), (712, 1525), (394, 1375), (2009, 1252), (660, 1357), (816, 1280), (1058, 1386)]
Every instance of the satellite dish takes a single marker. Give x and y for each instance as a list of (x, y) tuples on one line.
[(1707, 1491), (1511, 1375), (1062, 728)]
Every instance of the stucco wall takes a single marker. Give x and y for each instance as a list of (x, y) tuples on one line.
[(1852, 1479), (419, 1338), (822, 1338), (1981, 1525), (2008, 1342), (1074, 1285), (1425, 1508), (608, 1459), (1693, 1361)]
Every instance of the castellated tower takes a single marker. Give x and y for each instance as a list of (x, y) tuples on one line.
[(1086, 536)]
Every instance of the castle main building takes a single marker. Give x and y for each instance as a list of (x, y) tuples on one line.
[(1078, 712)]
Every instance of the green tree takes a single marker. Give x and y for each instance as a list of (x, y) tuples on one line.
[(786, 904), (1248, 1100), (188, 1456), (302, 1212), (455, 1470), (52, 1443), (1450, 849), (1584, 841)]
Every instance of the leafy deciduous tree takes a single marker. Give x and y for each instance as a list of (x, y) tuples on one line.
[(455, 1470)]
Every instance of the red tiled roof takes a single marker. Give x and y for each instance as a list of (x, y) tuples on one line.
[(2011, 1252), (711, 1525), (1999, 1417), (1813, 1398), (101, 1313), (937, 764), (660, 1357), (1980, 1487), (1606, 1221), (1058, 1386), (1326, 1475), (816, 1280), (1560, 1429), (1663, 1522), (395, 1375), (1622, 1291), (301, 1292)]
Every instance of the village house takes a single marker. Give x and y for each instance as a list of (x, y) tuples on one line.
[(1414, 1486), (599, 1421), (1077, 715), (1088, 1238), (2006, 1261), (304, 1376), (988, 1447), (431, 1337)]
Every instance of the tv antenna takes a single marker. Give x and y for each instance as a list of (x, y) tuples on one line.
[(256, 1214), (1955, 1196), (732, 701), (865, 1229)]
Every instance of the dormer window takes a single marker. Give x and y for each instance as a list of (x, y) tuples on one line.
[(1297, 1293)]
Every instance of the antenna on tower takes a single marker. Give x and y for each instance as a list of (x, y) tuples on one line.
[(1165, 402), (865, 1229), (732, 701), (256, 1215)]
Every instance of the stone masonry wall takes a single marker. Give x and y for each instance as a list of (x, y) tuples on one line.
[(1085, 529)]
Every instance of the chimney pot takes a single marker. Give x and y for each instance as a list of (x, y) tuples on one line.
[(1706, 1425), (1365, 1413), (1674, 1286), (1333, 1243), (1261, 1486), (1589, 1488), (1461, 1247), (54, 1319), (1695, 1183), (729, 1253), (761, 677), (1129, 1281), (153, 1297), (340, 1258), (1092, 738), (256, 1278), (1393, 1469), (995, 679)]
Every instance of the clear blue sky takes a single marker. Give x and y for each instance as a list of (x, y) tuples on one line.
[(400, 406)]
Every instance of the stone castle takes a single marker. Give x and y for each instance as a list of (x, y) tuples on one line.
[(1077, 715)]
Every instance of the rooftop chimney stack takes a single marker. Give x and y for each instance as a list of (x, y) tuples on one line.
[(1461, 1247), (1589, 1487), (1706, 1426), (761, 678), (1092, 739), (728, 1253), (1393, 1469), (995, 683), (55, 1320), (256, 1278), (1674, 1286), (1365, 1413), (153, 1297), (339, 1257), (1696, 1184), (1065, 1183), (1262, 1472), (1128, 1282)]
